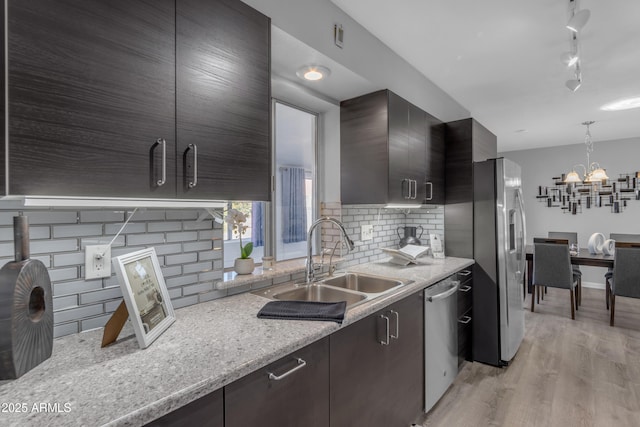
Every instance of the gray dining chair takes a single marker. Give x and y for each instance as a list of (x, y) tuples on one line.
[(618, 237), (572, 237), (625, 281), (552, 268)]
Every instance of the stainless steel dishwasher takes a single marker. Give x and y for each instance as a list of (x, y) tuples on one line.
[(441, 339)]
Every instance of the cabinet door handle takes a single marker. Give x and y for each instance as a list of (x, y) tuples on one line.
[(465, 288), (408, 181), (163, 143), (301, 364), (415, 190), (464, 272), (386, 319), (464, 320), (430, 184), (397, 335), (193, 183)]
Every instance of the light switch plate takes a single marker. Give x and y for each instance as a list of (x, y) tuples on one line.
[(366, 232), (97, 261)]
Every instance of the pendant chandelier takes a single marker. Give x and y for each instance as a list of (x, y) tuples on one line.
[(592, 172)]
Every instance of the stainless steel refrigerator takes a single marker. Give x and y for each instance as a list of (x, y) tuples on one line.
[(499, 252)]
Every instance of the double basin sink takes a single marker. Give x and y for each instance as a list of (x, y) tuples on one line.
[(354, 288)]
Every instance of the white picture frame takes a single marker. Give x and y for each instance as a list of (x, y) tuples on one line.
[(145, 294)]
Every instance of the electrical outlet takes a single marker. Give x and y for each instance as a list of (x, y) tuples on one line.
[(97, 261), (366, 232)]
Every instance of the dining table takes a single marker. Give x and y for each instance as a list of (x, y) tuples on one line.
[(583, 257)]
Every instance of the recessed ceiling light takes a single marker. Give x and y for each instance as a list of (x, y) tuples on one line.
[(313, 72), (622, 104)]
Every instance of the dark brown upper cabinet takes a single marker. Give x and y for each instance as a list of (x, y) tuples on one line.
[(91, 91), (134, 98), (467, 142), (223, 101), (390, 152)]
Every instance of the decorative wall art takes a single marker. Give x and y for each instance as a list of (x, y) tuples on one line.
[(574, 197)]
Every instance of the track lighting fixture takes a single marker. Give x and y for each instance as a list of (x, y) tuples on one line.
[(577, 20)]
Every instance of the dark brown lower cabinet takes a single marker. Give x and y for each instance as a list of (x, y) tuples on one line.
[(465, 315), (377, 368), (293, 391), (208, 411)]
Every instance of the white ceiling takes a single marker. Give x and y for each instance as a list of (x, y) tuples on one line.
[(500, 59), (288, 54)]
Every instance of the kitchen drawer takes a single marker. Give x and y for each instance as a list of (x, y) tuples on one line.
[(465, 298), (207, 411), (464, 337), (291, 391), (465, 275)]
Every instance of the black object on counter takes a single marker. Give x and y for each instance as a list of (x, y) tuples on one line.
[(304, 310), (26, 309)]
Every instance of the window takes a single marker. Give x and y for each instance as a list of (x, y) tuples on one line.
[(294, 208)]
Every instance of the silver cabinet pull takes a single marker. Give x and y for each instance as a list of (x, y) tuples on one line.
[(301, 364), (397, 335), (408, 181), (386, 319), (465, 288), (163, 143), (430, 184), (464, 320), (415, 189), (194, 147), (464, 272)]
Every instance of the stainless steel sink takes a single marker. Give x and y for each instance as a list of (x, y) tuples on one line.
[(363, 283), (319, 293), (354, 288)]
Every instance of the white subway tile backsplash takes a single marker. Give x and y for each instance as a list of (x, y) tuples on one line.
[(208, 296), (198, 246), (181, 259), (153, 227), (77, 230), (197, 267), (58, 239), (183, 302), (50, 246), (132, 227), (51, 217), (60, 330), (78, 313), (198, 225), (63, 260), (185, 236), (60, 303), (101, 295), (145, 239), (183, 214), (94, 322), (75, 287), (196, 289), (59, 274), (102, 216)]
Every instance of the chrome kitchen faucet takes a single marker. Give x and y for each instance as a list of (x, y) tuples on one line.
[(310, 274)]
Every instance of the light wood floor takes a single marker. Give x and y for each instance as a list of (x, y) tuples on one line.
[(566, 373)]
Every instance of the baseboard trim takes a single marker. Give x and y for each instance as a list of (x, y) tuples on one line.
[(593, 285)]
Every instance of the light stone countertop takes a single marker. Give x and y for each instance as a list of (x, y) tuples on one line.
[(210, 345)]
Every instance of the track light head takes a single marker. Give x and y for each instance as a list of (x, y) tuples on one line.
[(578, 20), (574, 84), (569, 58)]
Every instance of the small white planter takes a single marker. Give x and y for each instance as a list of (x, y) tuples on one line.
[(243, 266)]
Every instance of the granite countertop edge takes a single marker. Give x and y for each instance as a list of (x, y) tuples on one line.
[(190, 360)]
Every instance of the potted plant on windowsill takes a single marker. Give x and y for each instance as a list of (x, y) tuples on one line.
[(236, 220)]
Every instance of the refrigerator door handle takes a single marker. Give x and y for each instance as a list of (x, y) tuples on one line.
[(523, 254)]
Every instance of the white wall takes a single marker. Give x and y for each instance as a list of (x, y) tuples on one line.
[(312, 21), (540, 165)]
